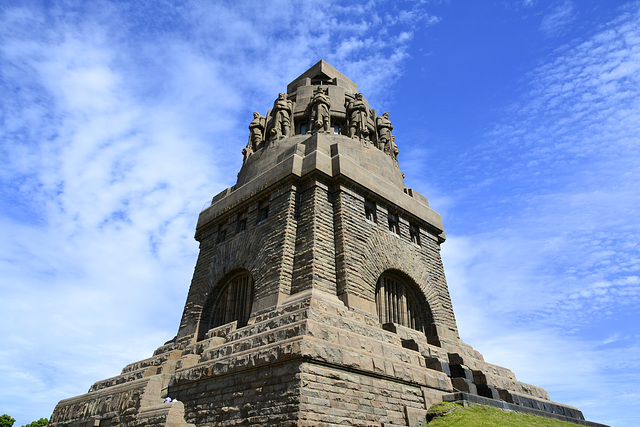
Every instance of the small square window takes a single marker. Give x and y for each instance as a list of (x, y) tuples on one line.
[(303, 129), (336, 130), (394, 223), (414, 232), (370, 211)]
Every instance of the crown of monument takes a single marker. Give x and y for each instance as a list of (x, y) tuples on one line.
[(320, 101), (318, 297)]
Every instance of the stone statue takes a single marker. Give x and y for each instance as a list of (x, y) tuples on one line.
[(256, 135), (256, 129), (320, 106), (384, 133), (394, 151), (358, 116), (282, 113)]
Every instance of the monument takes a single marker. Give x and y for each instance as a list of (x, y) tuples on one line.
[(319, 296)]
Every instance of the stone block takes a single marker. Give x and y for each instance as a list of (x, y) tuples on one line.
[(461, 371), (463, 384), (415, 417), (487, 391)]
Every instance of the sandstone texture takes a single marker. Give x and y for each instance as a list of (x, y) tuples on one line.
[(319, 296)]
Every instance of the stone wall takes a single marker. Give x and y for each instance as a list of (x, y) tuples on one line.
[(133, 403), (314, 263), (307, 362), (265, 249), (316, 234), (366, 249), (267, 395), (332, 396)]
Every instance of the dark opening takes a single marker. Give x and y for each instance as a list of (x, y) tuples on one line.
[(394, 223), (263, 210), (232, 303), (370, 210), (399, 303)]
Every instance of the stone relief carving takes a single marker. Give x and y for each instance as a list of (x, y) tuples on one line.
[(116, 402), (320, 107)]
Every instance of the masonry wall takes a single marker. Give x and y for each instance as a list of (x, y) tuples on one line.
[(366, 249), (259, 397), (332, 396), (299, 393), (265, 249)]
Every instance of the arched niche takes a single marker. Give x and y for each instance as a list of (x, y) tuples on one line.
[(400, 301), (231, 300)]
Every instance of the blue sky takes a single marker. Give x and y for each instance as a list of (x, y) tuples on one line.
[(519, 120)]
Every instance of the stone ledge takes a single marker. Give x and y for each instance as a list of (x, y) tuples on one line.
[(154, 361), (119, 400), (164, 414), (466, 399)]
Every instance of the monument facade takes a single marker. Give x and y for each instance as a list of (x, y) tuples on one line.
[(319, 296)]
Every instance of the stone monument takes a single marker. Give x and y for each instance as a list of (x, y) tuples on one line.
[(319, 296)]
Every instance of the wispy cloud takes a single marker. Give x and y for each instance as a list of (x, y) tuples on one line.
[(555, 21), (118, 123), (552, 195)]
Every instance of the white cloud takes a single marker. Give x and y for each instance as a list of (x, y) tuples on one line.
[(544, 278), (117, 131), (556, 21)]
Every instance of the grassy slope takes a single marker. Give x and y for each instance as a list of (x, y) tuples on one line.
[(486, 416)]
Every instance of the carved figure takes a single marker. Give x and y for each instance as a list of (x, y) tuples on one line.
[(358, 114), (282, 111), (384, 133), (320, 106), (256, 135), (256, 129), (395, 151)]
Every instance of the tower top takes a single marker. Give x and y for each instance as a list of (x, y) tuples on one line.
[(322, 101), (323, 73)]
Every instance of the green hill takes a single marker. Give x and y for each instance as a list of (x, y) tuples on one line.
[(452, 414)]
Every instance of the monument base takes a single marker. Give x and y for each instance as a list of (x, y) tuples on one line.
[(308, 362)]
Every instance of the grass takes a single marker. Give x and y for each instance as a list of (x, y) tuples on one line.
[(452, 414)]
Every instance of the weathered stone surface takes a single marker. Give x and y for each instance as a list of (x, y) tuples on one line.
[(121, 404), (326, 272)]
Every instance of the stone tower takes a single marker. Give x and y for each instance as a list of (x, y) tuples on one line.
[(319, 295)]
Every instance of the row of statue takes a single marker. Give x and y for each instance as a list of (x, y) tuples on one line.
[(361, 123)]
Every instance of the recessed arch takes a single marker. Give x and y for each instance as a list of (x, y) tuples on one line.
[(231, 300), (400, 301)]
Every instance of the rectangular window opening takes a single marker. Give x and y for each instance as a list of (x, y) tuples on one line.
[(222, 234), (241, 222), (370, 210), (263, 210), (394, 223), (414, 232)]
